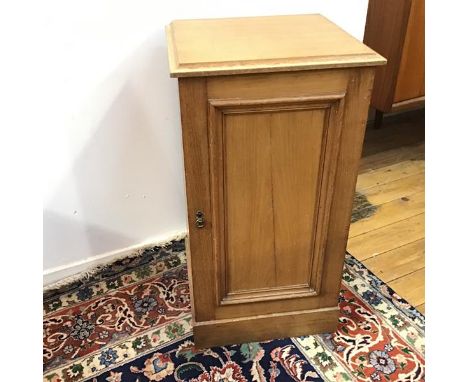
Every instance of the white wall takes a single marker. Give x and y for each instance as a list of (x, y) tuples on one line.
[(113, 158)]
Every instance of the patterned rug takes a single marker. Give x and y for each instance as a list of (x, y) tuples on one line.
[(131, 322)]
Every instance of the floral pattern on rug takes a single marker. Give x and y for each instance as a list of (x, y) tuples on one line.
[(380, 337), (366, 344), (355, 267), (277, 360), (87, 327), (149, 262)]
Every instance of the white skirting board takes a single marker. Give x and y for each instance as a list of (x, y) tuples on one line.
[(67, 273)]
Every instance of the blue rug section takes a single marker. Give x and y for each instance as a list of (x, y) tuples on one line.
[(278, 360)]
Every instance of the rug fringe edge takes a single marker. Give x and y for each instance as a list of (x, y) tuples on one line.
[(85, 275)]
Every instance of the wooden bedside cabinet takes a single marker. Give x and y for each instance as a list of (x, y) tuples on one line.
[(273, 116)]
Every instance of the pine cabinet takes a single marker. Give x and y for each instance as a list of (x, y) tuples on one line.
[(273, 113)]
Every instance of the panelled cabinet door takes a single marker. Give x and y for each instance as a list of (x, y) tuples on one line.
[(271, 163)]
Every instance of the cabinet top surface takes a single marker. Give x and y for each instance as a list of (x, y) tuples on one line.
[(262, 44)]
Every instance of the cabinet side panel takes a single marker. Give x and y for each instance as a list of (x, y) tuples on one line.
[(192, 93), (352, 136)]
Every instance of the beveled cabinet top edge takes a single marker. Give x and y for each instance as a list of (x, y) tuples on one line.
[(212, 47)]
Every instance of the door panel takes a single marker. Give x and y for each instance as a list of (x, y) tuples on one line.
[(271, 174), (295, 148), (271, 166), (249, 232)]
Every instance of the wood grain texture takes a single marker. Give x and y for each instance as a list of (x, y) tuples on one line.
[(258, 328), (395, 29), (412, 285), (411, 76), (391, 241), (297, 133), (392, 156), (404, 129), (389, 213), (355, 116), (384, 175), (389, 237), (398, 262), (192, 95), (273, 93), (273, 165), (271, 160), (262, 44), (385, 32), (277, 85), (250, 245), (412, 103), (399, 188), (296, 139)]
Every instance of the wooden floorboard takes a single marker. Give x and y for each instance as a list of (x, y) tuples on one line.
[(386, 238), (389, 240), (410, 287), (397, 189), (388, 174), (387, 158), (388, 213), (397, 131), (398, 262)]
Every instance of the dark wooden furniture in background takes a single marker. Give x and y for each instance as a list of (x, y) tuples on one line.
[(273, 117), (395, 29)]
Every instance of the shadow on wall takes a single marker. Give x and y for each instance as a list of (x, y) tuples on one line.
[(124, 183), (73, 230)]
